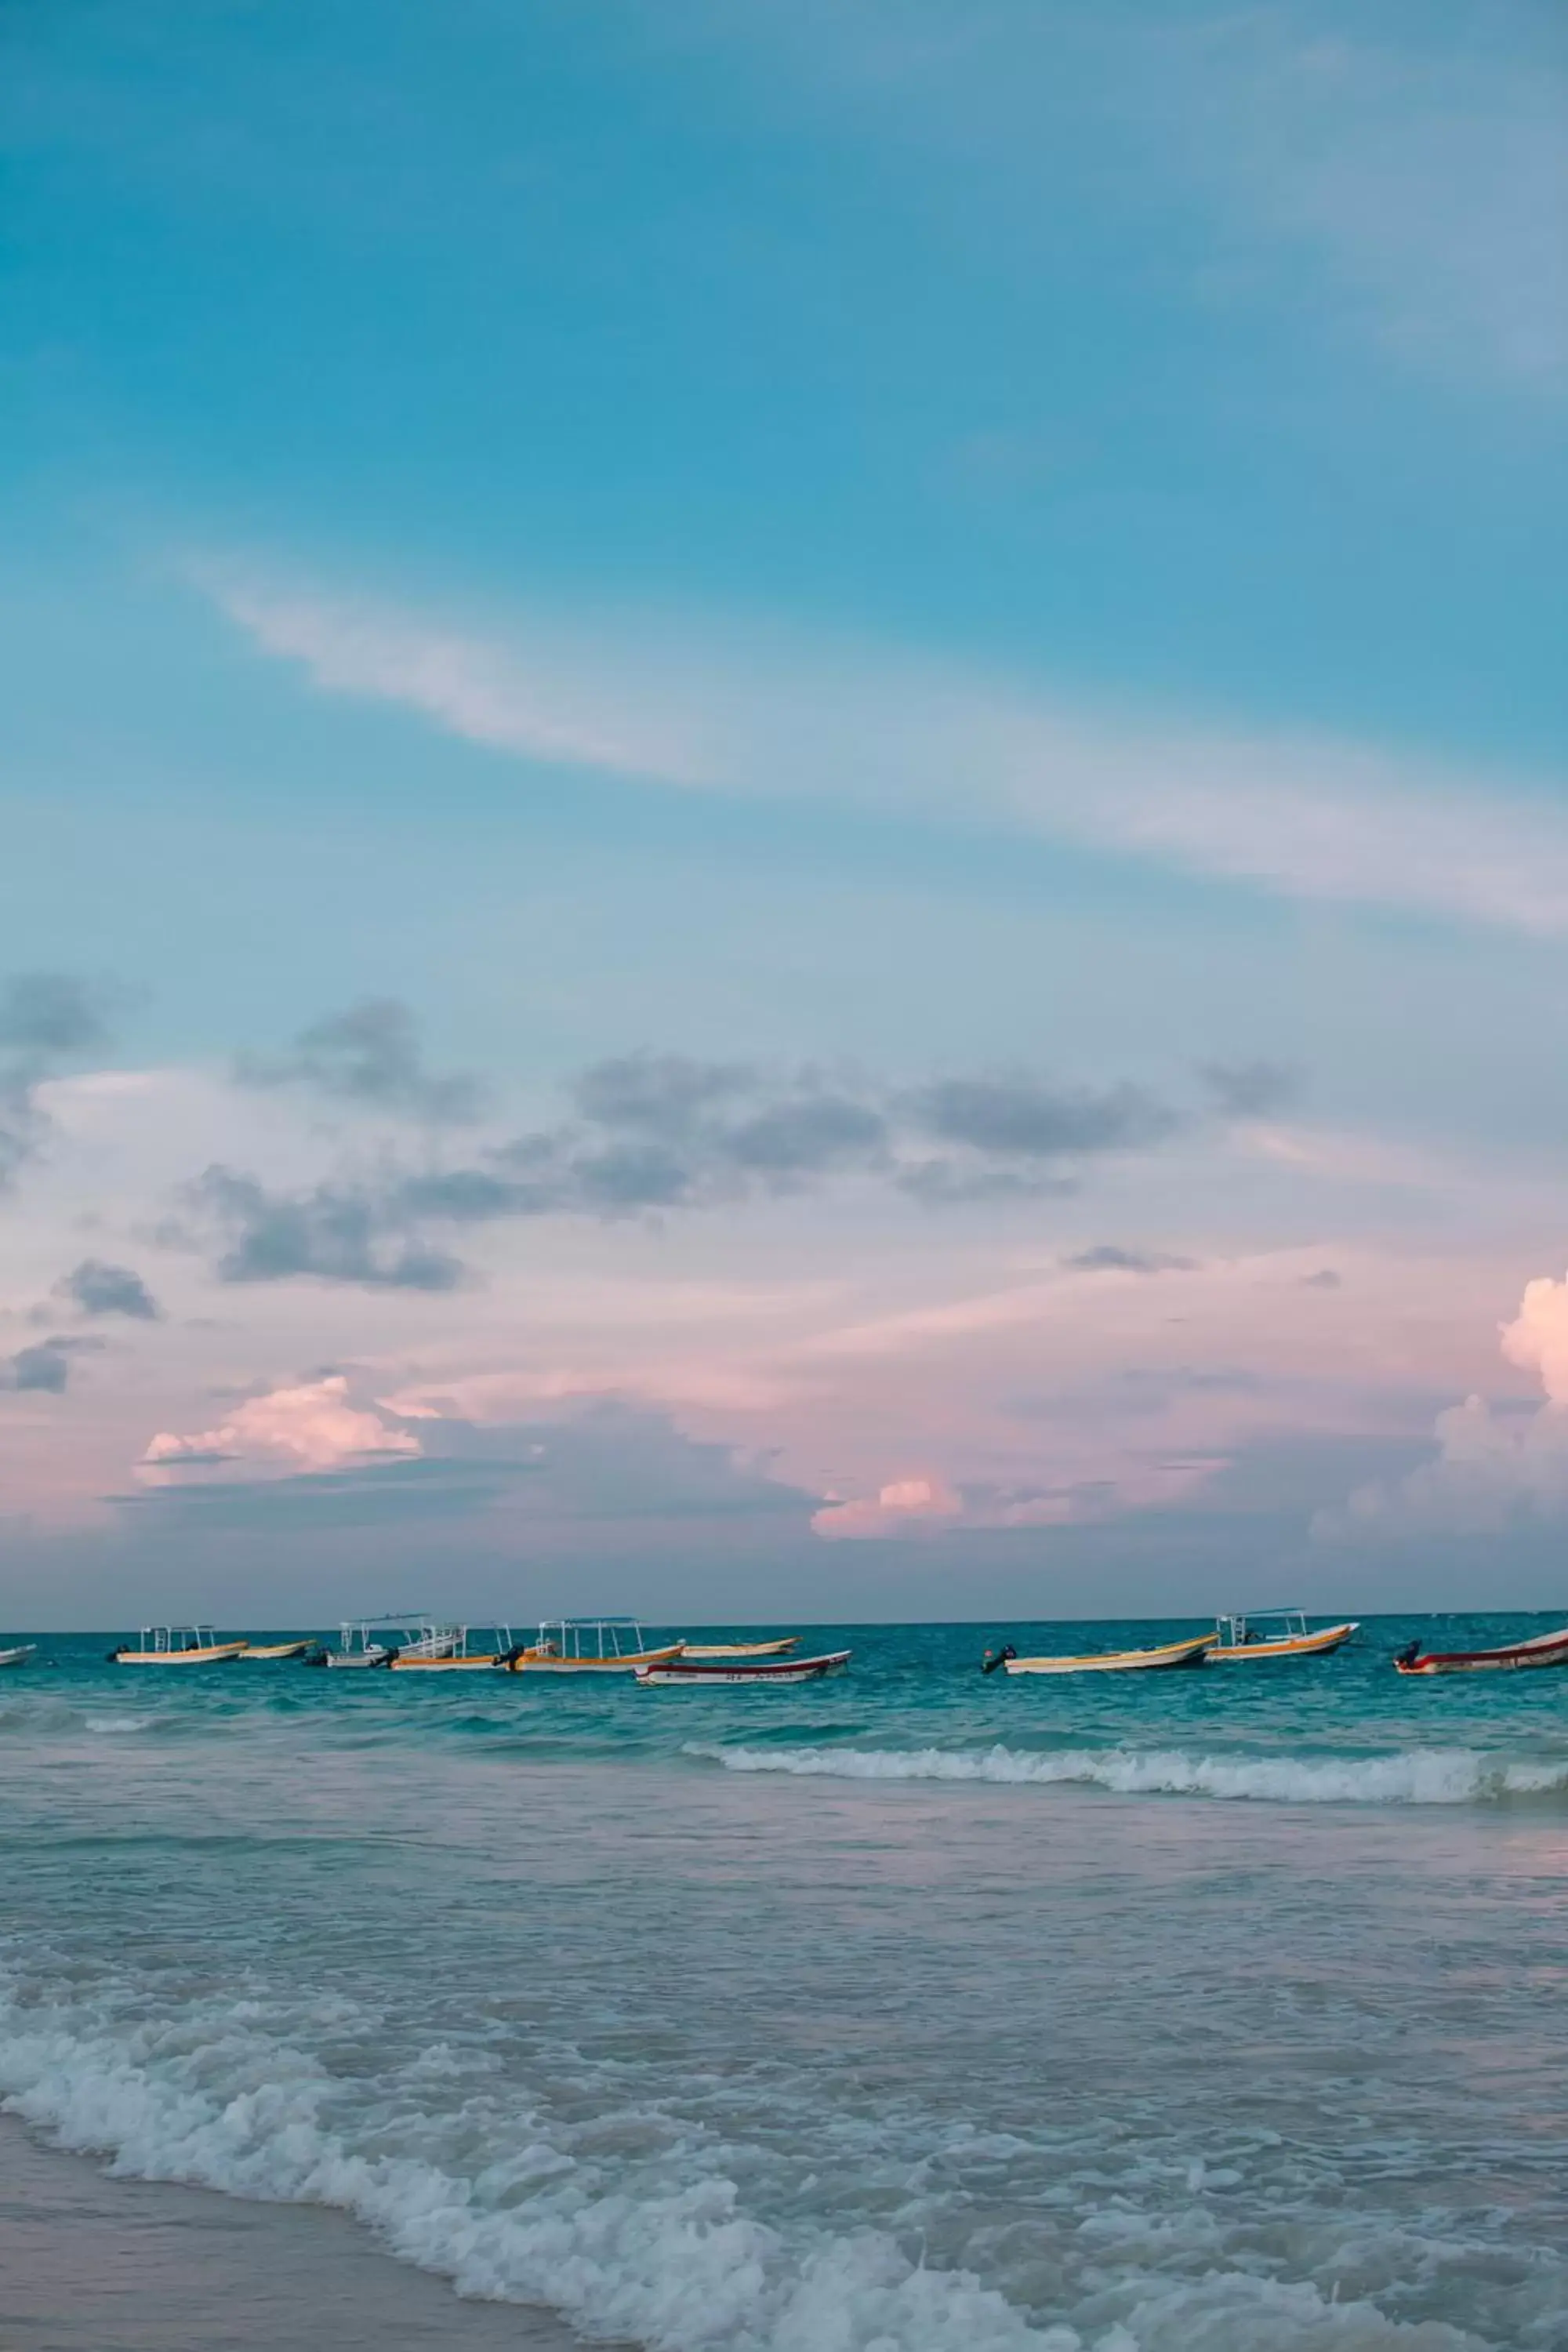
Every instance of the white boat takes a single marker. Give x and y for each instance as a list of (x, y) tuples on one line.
[(400, 1633), (1189, 1651), (1264, 1633), (19, 1655), (590, 1645), (177, 1645), (277, 1649), (701, 1674)]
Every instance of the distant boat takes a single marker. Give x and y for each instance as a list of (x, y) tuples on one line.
[(589, 1645), (1191, 1651), (741, 1649), (20, 1655), (486, 1648), (399, 1633), (277, 1649), (706, 1671), (1265, 1633), (177, 1645), (1542, 1650)]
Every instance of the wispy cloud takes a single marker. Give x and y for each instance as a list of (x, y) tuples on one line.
[(1300, 816), (1401, 175)]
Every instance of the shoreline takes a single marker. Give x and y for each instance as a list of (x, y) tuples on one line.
[(93, 2262)]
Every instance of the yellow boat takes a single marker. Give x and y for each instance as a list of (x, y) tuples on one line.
[(1189, 1651), (743, 1649), (590, 1645), (275, 1649), (465, 1655), (1276, 1633), (177, 1645)]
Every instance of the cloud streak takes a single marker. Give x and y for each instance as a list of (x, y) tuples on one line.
[(658, 1133), (368, 1059), (1299, 816), (49, 1022), (95, 1287)]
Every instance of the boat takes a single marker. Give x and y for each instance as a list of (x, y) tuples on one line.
[(177, 1645), (1541, 1650), (743, 1649), (1191, 1650), (277, 1649), (590, 1645), (19, 1655), (467, 1652), (704, 1672), (399, 1633), (1276, 1633)]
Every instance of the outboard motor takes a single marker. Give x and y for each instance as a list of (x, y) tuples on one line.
[(995, 1658), (1408, 1656)]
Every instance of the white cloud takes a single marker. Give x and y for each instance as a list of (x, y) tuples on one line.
[(313, 1427), (1493, 1469), (1305, 817)]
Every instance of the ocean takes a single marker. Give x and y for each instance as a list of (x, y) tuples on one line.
[(913, 2011)]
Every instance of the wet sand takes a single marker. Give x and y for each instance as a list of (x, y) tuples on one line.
[(89, 2263)]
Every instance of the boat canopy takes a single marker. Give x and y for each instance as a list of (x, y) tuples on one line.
[(165, 1641), (591, 1637), (364, 1632), (1260, 1625)]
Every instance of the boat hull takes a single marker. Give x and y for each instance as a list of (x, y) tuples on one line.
[(215, 1656), (1168, 1655), (275, 1649), (358, 1658), (487, 1662), (1513, 1657), (20, 1655), (704, 1674), (533, 1661), (1294, 1646)]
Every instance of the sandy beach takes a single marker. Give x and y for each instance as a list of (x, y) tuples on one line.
[(90, 2263)]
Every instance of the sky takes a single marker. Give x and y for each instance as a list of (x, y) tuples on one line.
[(784, 828)]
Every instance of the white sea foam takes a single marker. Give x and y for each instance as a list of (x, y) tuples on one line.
[(494, 2198), (1412, 1776), (116, 1722)]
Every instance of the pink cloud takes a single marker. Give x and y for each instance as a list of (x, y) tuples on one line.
[(903, 1504), (309, 1428)]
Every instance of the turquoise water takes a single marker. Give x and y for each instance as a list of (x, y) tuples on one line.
[(1206, 2013)]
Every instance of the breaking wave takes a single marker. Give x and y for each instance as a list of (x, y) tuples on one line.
[(1414, 1776), (501, 2200)]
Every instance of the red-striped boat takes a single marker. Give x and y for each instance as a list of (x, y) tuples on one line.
[(1542, 1650), (705, 1671)]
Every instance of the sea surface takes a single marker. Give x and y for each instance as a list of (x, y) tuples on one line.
[(914, 2012)]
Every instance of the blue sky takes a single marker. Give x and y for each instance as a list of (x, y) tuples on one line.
[(971, 598)]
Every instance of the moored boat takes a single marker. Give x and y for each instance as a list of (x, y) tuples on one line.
[(19, 1655), (589, 1645), (775, 1649), (399, 1634), (1189, 1651), (472, 1649), (1264, 1633), (703, 1672), (277, 1649), (177, 1645), (1541, 1650)]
